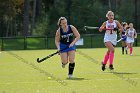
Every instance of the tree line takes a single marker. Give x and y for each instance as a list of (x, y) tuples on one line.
[(39, 17)]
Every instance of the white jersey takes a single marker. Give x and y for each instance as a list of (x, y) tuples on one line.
[(130, 35), (111, 35)]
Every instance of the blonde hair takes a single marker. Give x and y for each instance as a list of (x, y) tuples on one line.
[(59, 20), (108, 13), (131, 23)]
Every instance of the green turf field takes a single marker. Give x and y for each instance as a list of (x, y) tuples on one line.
[(20, 73)]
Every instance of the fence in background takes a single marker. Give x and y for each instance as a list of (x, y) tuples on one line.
[(44, 42)]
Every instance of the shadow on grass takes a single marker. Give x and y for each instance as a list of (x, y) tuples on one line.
[(135, 55), (122, 73), (75, 78)]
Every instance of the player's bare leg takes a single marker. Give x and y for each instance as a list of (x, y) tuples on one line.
[(64, 59)]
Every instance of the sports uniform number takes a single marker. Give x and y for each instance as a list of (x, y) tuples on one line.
[(68, 39)]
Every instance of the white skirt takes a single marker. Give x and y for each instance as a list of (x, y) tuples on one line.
[(111, 38), (129, 40)]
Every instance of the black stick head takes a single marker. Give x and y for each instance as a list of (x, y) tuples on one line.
[(41, 60), (38, 60), (85, 27)]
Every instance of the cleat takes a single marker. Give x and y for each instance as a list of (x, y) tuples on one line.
[(103, 67), (63, 65), (130, 54), (126, 50), (111, 67), (70, 76)]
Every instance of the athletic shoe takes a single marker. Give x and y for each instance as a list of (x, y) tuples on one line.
[(130, 54), (111, 67), (103, 67), (63, 65), (126, 50), (70, 76)]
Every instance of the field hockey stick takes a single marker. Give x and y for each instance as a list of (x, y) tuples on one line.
[(41, 60), (124, 37), (120, 40), (90, 27)]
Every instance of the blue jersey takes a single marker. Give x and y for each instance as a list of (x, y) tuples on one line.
[(123, 32), (66, 38), (123, 35)]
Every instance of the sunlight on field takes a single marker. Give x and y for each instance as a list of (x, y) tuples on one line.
[(20, 73)]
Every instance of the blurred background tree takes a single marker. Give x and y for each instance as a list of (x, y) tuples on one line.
[(39, 17)]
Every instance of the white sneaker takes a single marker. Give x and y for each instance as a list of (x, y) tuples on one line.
[(130, 54), (70, 76), (63, 65), (126, 48)]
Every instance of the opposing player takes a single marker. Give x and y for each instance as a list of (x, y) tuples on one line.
[(64, 38), (110, 38), (125, 27), (131, 34)]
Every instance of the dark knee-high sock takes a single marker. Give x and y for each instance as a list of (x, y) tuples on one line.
[(122, 50), (126, 49), (71, 68)]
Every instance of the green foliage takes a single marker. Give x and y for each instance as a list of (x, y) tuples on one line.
[(41, 26), (126, 11), (7, 8), (78, 12), (87, 12), (57, 10)]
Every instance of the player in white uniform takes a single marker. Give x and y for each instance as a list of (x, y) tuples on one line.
[(110, 38), (131, 34), (111, 35)]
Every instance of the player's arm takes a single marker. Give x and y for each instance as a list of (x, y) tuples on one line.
[(135, 34), (126, 33), (76, 33), (102, 27), (119, 27), (57, 39)]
